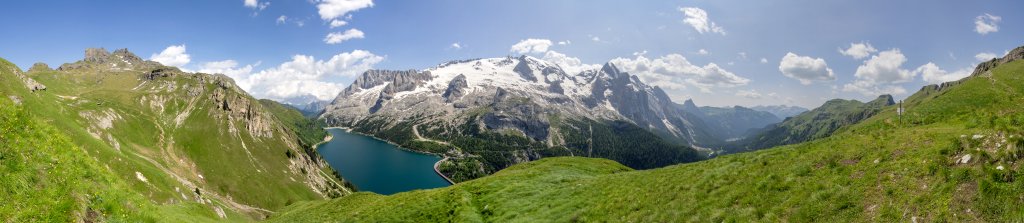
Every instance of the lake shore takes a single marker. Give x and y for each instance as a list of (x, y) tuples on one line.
[(436, 166), (438, 170)]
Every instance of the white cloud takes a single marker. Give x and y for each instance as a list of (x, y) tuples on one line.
[(985, 56), (256, 4), (596, 39), (338, 23), (885, 68), (456, 46), (703, 52), (868, 88), (338, 37), (858, 50), (986, 23), (282, 19), (764, 60), (673, 71), (570, 65), (805, 69), (564, 42), (303, 76), (935, 75), (531, 46), (751, 94), (227, 67), (698, 18), (332, 9), (172, 56), (881, 74), (743, 55)]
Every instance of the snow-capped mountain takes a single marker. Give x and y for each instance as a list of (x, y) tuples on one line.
[(518, 93)]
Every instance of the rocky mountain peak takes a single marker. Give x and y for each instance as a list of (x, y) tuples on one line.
[(96, 54), (611, 70), (884, 100), (688, 105), (100, 58), (39, 67)]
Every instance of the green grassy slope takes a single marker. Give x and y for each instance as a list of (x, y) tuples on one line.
[(309, 131), (44, 177), (172, 131), (878, 170), (817, 123)]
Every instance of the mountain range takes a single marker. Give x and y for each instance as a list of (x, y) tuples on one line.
[(951, 155), (113, 137), (543, 108)]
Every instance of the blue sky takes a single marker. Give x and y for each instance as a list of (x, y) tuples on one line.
[(716, 60)]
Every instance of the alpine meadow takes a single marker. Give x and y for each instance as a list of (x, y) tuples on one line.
[(521, 111)]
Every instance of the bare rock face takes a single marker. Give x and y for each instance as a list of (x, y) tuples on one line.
[(227, 98), (96, 55), (456, 89), (517, 112)]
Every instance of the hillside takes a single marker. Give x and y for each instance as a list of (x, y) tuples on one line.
[(176, 138), (817, 123), (953, 158)]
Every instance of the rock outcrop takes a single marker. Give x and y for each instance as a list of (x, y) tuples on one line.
[(99, 58), (39, 67), (456, 89), (30, 83)]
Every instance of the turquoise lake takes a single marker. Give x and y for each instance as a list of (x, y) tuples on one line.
[(377, 166)]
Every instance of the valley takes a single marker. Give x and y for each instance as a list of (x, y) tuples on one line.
[(511, 111)]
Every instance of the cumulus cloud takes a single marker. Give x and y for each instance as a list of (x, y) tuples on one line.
[(531, 46), (698, 19), (931, 73), (301, 77), (282, 19), (172, 56), (751, 94), (332, 9), (256, 4), (338, 23), (456, 46), (880, 74), (703, 52), (805, 69), (885, 68), (571, 65), (227, 67), (986, 23), (868, 88), (985, 56), (764, 60), (858, 50), (564, 42), (673, 71), (338, 37)]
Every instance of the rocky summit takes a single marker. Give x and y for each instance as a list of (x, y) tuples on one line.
[(520, 93)]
